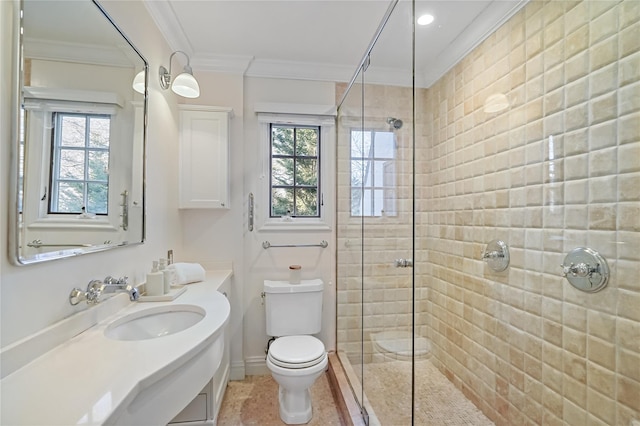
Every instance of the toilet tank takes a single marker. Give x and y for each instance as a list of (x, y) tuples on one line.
[(293, 309)]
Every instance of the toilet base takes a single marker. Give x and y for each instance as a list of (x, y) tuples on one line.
[(295, 406)]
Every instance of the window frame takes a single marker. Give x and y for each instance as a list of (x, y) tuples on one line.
[(295, 157), (327, 124), (56, 149)]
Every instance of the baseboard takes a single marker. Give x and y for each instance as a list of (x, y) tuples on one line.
[(237, 371), (256, 366)]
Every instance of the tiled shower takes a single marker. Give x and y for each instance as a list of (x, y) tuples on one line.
[(557, 169)]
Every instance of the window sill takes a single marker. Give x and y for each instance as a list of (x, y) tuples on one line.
[(71, 224), (279, 225)]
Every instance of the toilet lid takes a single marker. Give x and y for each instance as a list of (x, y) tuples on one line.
[(296, 351)]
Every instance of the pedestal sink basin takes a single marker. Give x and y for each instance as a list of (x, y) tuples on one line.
[(155, 322)]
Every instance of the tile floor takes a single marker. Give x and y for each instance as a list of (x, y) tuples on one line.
[(254, 401)]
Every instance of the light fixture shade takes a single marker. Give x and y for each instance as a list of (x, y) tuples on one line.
[(186, 85), (496, 103), (138, 82)]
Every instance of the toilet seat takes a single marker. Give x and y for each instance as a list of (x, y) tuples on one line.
[(296, 352)]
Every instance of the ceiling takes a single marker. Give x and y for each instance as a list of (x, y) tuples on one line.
[(326, 39)]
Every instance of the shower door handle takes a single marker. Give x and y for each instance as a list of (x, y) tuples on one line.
[(403, 263)]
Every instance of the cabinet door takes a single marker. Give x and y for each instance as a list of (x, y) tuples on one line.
[(204, 159)]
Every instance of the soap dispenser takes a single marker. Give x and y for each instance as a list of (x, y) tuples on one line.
[(155, 281), (166, 276)]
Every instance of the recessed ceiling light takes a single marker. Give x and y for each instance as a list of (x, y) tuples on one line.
[(425, 19)]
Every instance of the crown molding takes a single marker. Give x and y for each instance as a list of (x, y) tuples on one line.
[(299, 70), (497, 11), (75, 52), (165, 18), (233, 64)]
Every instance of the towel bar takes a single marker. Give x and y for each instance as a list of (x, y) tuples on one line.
[(267, 244)]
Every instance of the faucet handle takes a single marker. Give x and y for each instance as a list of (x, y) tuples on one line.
[(111, 280), (94, 290)]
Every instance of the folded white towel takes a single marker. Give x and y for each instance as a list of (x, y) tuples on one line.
[(188, 272)]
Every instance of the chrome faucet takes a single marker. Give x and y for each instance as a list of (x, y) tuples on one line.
[(111, 285), (96, 288)]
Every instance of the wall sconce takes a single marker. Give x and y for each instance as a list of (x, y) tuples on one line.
[(138, 82), (184, 84)]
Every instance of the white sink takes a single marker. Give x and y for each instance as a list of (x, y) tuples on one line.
[(155, 322)]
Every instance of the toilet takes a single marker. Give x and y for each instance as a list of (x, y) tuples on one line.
[(295, 358)]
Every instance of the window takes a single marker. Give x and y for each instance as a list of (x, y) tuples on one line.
[(80, 163), (373, 176), (295, 170)]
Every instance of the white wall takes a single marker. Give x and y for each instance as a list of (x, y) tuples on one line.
[(216, 235), (33, 297), (261, 264)]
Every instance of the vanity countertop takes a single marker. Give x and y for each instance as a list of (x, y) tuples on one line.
[(87, 378)]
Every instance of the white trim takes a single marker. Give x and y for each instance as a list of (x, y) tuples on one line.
[(237, 371), (83, 53), (165, 18), (270, 109), (232, 64), (294, 70), (256, 366), (73, 95), (327, 123)]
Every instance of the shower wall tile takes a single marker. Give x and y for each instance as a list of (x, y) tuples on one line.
[(558, 170)]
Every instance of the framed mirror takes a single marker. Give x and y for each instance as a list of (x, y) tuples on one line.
[(79, 142)]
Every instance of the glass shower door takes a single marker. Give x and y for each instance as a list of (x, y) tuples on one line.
[(376, 227)]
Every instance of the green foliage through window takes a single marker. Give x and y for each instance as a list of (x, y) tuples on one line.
[(80, 163), (295, 170)]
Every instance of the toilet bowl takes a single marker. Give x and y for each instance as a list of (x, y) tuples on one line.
[(295, 363), (295, 358)]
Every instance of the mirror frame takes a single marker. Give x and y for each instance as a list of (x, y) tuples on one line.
[(17, 99)]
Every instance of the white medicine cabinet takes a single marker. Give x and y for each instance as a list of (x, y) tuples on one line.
[(204, 157)]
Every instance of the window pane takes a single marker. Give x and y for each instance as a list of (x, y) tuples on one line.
[(307, 142), (368, 173), (384, 145), (281, 201), (306, 202), (98, 196), (357, 172), (282, 140), (99, 132), (282, 171), (378, 202), (360, 144), (356, 202), (381, 171), (70, 197), (367, 208), (99, 165), (71, 164), (307, 172), (73, 130)]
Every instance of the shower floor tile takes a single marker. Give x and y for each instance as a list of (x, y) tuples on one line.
[(254, 401), (387, 386)]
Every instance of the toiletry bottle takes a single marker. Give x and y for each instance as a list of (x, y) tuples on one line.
[(166, 276), (155, 281)]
